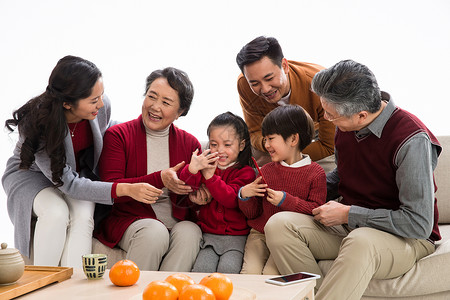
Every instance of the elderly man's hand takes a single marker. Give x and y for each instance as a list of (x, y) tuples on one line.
[(331, 213), (172, 182)]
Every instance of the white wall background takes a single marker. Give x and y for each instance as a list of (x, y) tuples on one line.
[(406, 43)]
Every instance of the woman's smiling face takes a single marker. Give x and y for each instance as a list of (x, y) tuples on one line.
[(86, 108), (161, 105)]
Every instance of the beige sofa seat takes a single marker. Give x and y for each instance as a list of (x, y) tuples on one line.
[(430, 277)]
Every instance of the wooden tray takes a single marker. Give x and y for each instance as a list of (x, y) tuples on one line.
[(34, 278)]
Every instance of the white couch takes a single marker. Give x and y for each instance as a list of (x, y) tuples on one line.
[(429, 279)]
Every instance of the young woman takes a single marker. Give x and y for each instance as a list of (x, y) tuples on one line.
[(51, 176), (223, 168), (292, 182)]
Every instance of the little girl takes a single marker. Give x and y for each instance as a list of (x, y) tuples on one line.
[(223, 169), (292, 182)]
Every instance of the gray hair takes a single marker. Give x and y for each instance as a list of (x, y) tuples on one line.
[(349, 86)]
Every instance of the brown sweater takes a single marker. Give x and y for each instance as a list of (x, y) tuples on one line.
[(256, 108)]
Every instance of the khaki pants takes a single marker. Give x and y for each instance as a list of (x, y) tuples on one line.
[(153, 247), (296, 241), (257, 258)]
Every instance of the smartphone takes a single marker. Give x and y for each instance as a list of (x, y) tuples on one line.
[(292, 278), (259, 170)]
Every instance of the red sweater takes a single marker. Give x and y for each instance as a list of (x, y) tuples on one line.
[(124, 159), (305, 189), (222, 215), (81, 139)]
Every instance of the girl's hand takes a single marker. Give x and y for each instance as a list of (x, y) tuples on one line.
[(274, 197), (142, 192), (202, 196), (172, 182), (256, 188), (202, 161), (209, 171)]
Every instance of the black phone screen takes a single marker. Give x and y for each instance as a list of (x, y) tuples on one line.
[(292, 277)]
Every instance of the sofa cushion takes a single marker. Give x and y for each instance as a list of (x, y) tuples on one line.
[(114, 254), (442, 177)]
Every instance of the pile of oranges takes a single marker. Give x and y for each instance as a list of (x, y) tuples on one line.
[(178, 286), (215, 286)]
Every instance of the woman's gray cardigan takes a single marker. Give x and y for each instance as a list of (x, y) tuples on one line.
[(21, 186)]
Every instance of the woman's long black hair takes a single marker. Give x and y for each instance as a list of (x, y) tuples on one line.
[(41, 121)]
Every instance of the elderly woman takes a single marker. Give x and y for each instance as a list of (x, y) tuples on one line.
[(157, 235)]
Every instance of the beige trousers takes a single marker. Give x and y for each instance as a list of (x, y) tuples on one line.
[(296, 241), (153, 247), (257, 258)]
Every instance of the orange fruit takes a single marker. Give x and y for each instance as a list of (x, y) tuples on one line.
[(180, 280), (196, 292), (220, 285), (124, 273), (160, 290)]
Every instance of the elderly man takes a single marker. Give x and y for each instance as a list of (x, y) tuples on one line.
[(387, 218), (269, 80)]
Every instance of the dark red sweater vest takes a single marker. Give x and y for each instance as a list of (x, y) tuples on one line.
[(367, 166)]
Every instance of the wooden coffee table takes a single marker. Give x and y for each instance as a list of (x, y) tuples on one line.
[(245, 287)]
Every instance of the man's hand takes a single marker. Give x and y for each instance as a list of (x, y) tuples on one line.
[(331, 213), (172, 182)]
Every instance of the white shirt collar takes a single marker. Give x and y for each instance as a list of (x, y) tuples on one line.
[(285, 99), (306, 160), (226, 167)]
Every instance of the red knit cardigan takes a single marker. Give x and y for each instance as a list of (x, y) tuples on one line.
[(222, 215), (124, 159)]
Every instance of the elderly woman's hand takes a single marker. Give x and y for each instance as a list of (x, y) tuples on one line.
[(202, 196), (172, 182)]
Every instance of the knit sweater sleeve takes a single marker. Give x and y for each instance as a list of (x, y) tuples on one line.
[(316, 184), (226, 192), (305, 187), (113, 163), (251, 208), (193, 180)]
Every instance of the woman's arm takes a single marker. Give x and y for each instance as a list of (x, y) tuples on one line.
[(113, 168)]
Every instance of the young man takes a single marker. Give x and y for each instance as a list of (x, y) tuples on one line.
[(269, 80), (387, 218)]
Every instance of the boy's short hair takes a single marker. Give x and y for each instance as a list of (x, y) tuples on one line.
[(287, 120)]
